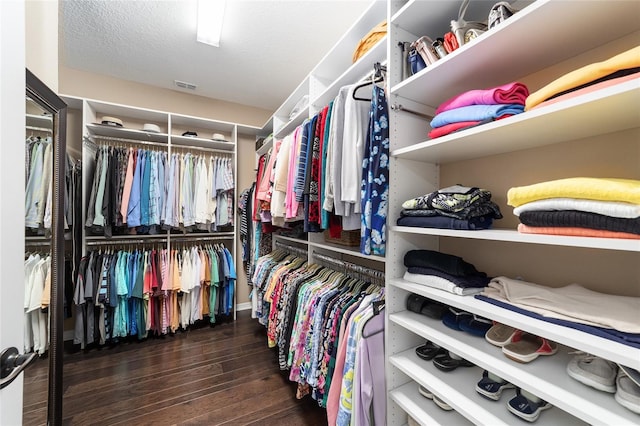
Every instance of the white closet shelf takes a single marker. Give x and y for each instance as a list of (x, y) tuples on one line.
[(596, 113), (187, 141), (599, 346), (124, 133), (203, 123), (39, 120), (457, 388), (351, 251), (493, 52), (514, 236), (290, 125), (423, 410), (290, 239), (358, 71), (264, 148)]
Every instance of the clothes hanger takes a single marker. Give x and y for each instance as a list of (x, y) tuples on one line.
[(377, 77)]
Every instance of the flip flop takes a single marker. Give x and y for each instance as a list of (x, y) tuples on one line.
[(476, 325), (449, 362), (526, 347), (429, 350), (453, 316), (500, 334)]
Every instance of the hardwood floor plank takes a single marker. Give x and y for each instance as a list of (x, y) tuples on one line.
[(205, 376)]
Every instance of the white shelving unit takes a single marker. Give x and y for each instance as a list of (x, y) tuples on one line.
[(420, 165)]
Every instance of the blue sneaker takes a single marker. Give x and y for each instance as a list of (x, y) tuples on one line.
[(527, 406), (491, 386)]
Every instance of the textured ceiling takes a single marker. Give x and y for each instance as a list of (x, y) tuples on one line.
[(266, 49)]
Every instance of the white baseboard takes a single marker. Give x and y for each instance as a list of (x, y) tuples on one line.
[(243, 306)]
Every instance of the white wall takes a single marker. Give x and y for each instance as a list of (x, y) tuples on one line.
[(41, 26)]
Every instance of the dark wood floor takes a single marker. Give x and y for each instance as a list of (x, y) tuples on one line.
[(207, 376)]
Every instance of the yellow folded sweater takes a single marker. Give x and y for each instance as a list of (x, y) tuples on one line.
[(625, 60), (603, 189)]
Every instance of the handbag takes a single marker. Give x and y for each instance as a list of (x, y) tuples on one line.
[(461, 27), (416, 62), (500, 12), (450, 42), (424, 46)]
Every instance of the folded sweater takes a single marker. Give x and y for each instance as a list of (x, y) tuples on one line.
[(448, 263), (511, 93), (475, 113), (575, 232), (572, 218), (608, 208), (604, 189), (625, 60)]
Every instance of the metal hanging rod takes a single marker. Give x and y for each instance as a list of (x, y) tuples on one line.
[(38, 129), (125, 140), (348, 266), (187, 239), (292, 249), (201, 148), (37, 243), (398, 107), (124, 242)]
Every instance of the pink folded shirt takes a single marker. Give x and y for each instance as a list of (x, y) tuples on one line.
[(511, 93)]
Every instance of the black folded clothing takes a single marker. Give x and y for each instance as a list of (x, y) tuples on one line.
[(444, 262), (424, 306)]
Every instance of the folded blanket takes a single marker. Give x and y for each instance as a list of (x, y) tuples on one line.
[(572, 218), (575, 232), (588, 89), (441, 222), (625, 60), (453, 127), (463, 281), (441, 284), (607, 208), (572, 302), (443, 262), (475, 113), (603, 189), (511, 93)]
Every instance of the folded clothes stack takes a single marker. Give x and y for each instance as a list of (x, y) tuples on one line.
[(581, 206), (455, 207), (614, 70), (444, 272), (476, 107)]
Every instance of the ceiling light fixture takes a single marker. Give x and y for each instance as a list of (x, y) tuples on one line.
[(210, 18)]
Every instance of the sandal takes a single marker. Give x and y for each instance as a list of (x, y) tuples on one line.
[(500, 334), (527, 406), (449, 362), (425, 392), (452, 318), (475, 325), (491, 386), (429, 350), (525, 347)]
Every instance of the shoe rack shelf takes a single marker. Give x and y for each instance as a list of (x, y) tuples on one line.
[(578, 136), (545, 376)]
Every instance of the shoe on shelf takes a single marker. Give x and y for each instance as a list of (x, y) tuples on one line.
[(453, 316), (593, 371), (449, 361), (412, 422), (429, 350), (476, 325), (440, 403), (425, 392), (628, 388), (525, 347), (527, 406), (491, 386), (500, 334)]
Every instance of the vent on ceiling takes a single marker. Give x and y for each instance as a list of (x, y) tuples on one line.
[(185, 85)]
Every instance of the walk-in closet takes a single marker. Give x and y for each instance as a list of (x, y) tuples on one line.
[(367, 212)]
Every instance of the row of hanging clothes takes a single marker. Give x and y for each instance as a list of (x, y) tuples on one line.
[(332, 171), (37, 295), (138, 190), (150, 291), (255, 242), (38, 186), (328, 328)]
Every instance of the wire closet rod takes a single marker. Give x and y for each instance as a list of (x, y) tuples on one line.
[(125, 140), (399, 107), (186, 239)]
